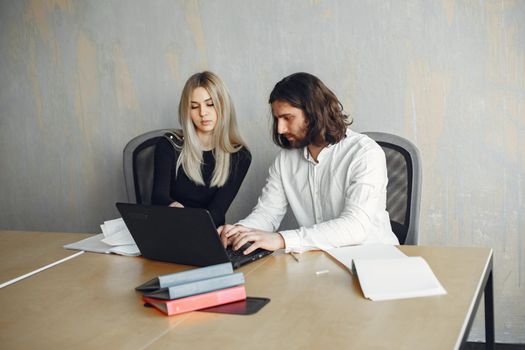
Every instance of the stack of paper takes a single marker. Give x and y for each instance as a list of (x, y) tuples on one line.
[(385, 273), (115, 238)]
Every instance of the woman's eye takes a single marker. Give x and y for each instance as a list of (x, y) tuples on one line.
[(209, 104)]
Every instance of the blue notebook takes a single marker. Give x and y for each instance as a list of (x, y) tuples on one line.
[(198, 287)]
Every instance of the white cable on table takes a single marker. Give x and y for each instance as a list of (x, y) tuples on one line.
[(14, 280)]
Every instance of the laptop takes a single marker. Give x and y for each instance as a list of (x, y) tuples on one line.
[(180, 235)]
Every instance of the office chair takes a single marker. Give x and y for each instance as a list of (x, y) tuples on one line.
[(403, 163), (138, 166)]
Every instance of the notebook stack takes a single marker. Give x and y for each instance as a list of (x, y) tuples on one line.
[(195, 289)]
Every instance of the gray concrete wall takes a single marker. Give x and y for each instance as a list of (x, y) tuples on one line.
[(80, 78)]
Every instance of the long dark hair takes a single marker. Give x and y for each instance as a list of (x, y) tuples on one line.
[(326, 119)]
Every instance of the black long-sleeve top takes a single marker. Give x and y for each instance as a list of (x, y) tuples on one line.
[(167, 187)]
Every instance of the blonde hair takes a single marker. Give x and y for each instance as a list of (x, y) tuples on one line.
[(226, 137)]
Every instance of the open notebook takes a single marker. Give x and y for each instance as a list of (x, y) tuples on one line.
[(345, 255), (115, 238), (386, 273), (387, 279)]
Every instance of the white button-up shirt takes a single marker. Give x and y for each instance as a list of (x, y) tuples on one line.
[(338, 200)]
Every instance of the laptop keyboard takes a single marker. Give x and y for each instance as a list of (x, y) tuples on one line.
[(236, 254)]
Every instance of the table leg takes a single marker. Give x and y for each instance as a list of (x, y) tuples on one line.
[(489, 313)]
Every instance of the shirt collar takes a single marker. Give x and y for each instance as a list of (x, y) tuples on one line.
[(307, 156), (324, 152)]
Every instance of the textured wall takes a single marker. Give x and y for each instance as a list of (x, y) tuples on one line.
[(80, 78)]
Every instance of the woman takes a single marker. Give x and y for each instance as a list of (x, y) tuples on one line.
[(205, 165)]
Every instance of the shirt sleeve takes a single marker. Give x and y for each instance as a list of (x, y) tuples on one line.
[(164, 166), (364, 196), (271, 205), (225, 195)]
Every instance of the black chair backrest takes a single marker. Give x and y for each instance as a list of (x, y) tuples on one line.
[(404, 185), (143, 166), (139, 157)]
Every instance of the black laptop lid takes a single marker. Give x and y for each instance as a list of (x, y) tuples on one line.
[(178, 235)]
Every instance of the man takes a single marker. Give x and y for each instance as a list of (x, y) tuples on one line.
[(333, 178)]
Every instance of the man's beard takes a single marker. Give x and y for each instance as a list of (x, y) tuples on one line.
[(298, 141)]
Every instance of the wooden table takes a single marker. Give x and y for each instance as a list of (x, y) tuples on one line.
[(89, 302), (23, 252)]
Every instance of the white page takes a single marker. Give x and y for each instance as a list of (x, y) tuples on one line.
[(111, 227), (386, 279), (366, 251), (90, 244), (94, 244), (128, 250), (122, 237)]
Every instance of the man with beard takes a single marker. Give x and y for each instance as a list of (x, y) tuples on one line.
[(333, 178)]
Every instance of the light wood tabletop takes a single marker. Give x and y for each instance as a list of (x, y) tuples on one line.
[(89, 302), (328, 311), (23, 252)]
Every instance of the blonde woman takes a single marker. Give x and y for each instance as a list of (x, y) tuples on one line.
[(204, 165)]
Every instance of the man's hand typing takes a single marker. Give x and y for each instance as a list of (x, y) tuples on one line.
[(238, 235)]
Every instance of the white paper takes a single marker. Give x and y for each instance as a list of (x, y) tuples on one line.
[(111, 227), (94, 244), (127, 249), (90, 244), (345, 255), (122, 237), (387, 279)]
